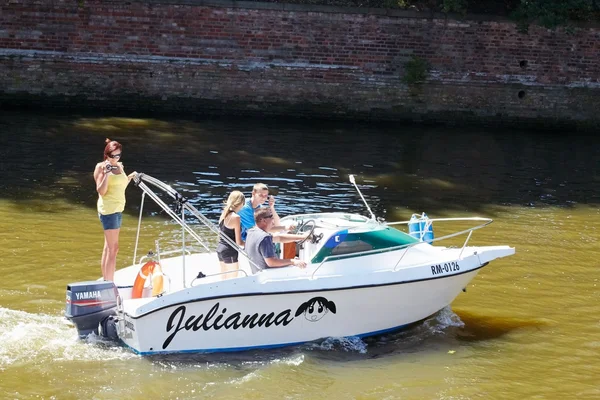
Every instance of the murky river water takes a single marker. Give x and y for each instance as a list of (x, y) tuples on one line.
[(527, 327)]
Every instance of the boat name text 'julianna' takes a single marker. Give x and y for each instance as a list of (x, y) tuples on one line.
[(446, 267), (179, 321)]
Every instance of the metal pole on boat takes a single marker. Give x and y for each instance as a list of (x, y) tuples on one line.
[(137, 236), (361, 196), (183, 242), (142, 179)]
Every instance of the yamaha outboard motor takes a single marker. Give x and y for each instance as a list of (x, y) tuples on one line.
[(88, 303)]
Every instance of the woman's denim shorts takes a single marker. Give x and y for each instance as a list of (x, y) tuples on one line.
[(111, 221)]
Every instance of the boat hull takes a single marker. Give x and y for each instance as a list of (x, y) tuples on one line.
[(263, 320)]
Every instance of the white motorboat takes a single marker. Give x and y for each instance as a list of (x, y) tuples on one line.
[(364, 277)]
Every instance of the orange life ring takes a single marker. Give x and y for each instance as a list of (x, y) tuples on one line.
[(151, 268), (157, 280)]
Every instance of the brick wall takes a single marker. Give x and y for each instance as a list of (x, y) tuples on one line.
[(263, 58)]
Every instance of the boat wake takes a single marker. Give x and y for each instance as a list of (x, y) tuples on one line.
[(442, 320), (403, 340), (27, 338), (346, 344), (36, 338)]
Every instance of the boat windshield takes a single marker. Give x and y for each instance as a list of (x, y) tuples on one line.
[(356, 242)]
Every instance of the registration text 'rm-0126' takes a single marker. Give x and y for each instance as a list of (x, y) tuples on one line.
[(445, 268)]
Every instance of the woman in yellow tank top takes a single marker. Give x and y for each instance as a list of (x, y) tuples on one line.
[(111, 183)]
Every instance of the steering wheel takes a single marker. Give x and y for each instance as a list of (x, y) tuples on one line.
[(301, 229)]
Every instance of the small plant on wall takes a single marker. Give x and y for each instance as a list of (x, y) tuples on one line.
[(415, 70), (454, 6)]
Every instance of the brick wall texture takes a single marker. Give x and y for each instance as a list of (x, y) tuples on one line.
[(219, 56)]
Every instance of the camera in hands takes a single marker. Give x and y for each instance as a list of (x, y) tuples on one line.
[(111, 167)]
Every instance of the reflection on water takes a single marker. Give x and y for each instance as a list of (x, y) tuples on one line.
[(484, 327), (307, 165), (527, 326)]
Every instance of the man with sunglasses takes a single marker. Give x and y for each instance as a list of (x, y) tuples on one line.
[(259, 243)]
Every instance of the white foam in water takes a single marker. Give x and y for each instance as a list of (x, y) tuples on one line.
[(257, 374), (27, 338), (295, 361), (442, 320), (246, 378), (436, 325), (350, 344)]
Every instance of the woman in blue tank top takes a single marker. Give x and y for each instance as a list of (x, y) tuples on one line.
[(229, 226)]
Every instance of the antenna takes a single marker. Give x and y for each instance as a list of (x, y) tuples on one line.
[(361, 196)]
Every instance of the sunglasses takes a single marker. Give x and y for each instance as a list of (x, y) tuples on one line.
[(114, 155), (268, 216)]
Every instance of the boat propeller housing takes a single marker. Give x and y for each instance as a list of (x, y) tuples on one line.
[(90, 302)]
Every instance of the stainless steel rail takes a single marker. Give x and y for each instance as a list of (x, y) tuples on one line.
[(411, 245), (143, 181)]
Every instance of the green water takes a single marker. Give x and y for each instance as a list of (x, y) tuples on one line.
[(527, 327)]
